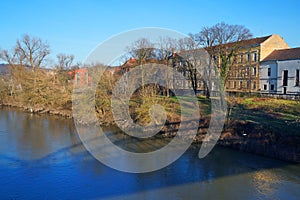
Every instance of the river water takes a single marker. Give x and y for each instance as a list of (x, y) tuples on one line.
[(41, 157)]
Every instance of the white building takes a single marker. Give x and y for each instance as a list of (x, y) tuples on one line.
[(279, 72)]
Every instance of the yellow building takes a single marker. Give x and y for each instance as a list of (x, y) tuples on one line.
[(243, 72)]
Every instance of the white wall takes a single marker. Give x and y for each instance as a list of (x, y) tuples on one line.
[(268, 80), (291, 66), (276, 77)]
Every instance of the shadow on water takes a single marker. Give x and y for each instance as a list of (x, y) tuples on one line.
[(41, 157)]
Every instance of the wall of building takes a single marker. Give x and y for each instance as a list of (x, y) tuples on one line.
[(276, 77), (272, 43), (267, 79), (291, 66), (244, 73), (81, 77)]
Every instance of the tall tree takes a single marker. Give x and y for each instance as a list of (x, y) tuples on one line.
[(64, 61), (28, 51), (222, 41), (33, 50), (63, 66), (190, 60), (142, 50)]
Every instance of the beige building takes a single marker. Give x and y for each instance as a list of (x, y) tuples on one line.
[(243, 74)]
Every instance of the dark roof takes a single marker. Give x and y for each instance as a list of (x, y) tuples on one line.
[(284, 54), (248, 42), (254, 41)]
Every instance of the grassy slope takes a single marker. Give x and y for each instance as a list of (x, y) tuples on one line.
[(275, 115)]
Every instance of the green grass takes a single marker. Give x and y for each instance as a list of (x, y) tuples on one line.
[(275, 115)]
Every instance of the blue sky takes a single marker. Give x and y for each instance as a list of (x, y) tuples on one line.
[(78, 26)]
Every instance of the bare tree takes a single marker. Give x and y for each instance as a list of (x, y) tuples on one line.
[(15, 61), (189, 58), (64, 61), (14, 57), (28, 51), (222, 41), (33, 50), (167, 45), (63, 66), (142, 50)]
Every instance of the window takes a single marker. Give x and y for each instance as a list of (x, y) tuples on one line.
[(248, 84), (247, 71), (254, 85), (269, 71), (254, 71), (78, 78), (242, 56), (285, 78), (241, 84), (265, 86), (297, 77), (254, 57), (248, 57), (86, 78), (234, 84), (272, 87)]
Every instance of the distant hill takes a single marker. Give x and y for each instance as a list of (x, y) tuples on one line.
[(4, 68)]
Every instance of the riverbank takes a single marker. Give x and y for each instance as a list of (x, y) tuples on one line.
[(251, 137), (38, 109), (264, 126), (268, 131)]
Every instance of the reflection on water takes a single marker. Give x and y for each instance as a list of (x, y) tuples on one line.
[(266, 182), (41, 157)]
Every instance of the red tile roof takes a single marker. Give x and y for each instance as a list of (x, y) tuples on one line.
[(284, 54)]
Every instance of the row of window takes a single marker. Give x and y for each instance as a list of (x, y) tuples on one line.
[(272, 87), (243, 72), (241, 58), (81, 78), (247, 57), (241, 85), (285, 77)]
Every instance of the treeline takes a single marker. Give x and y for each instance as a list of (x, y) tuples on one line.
[(26, 83)]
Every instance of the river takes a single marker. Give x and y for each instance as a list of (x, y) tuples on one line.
[(42, 157)]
